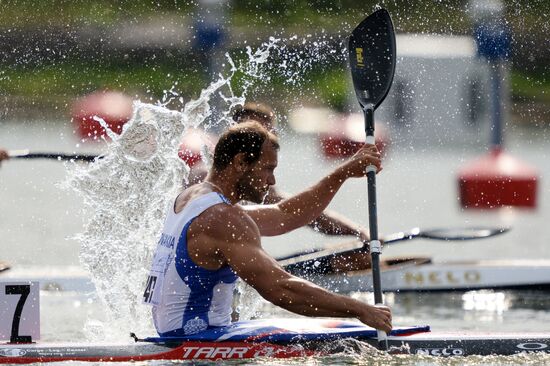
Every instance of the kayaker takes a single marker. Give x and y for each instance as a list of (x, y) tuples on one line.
[(209, 240), (3, 155), (328, 223)]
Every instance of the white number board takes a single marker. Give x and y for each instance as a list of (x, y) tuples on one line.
[(19, 311)]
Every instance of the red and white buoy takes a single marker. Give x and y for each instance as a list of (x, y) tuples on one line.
[(192, 144), (115, 108), (496, 180), (346, 136)]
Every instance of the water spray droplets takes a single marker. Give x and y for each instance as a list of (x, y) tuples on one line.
[(127, 192)]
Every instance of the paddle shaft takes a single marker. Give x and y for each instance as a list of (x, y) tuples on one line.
[(375, 247), (308, 258), (373, 214), (320, 262), (372, 62), (25, 154)]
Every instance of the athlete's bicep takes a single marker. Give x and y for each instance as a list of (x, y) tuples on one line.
[(270, 219)]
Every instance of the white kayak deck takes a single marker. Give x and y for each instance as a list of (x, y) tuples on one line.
[(420, 274)]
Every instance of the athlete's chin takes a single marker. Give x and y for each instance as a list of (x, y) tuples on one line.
[(251, 193), (257, 196)]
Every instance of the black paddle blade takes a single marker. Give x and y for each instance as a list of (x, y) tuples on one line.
[(372, 58)]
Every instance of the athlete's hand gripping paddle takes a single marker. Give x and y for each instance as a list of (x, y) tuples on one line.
[(372, 62)]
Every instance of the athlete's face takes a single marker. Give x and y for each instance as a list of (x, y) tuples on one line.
[(256, 180)]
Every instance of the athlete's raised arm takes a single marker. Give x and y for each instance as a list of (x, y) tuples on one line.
[(301, 209)]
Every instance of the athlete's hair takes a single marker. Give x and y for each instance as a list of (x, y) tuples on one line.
[(255, 112), (246, 137)]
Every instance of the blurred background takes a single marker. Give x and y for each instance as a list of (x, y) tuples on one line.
[(53, 51), (437, 116), (57, 57)]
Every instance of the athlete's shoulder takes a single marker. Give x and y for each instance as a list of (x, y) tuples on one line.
[(223, 213), (229, 222)]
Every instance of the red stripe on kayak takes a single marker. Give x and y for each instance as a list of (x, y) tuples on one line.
[(186, 351)]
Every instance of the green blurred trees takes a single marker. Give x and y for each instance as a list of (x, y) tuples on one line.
[(257, 20)]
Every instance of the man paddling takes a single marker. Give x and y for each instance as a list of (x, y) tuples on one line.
[(209, 240), (328, 222), (3, 155)]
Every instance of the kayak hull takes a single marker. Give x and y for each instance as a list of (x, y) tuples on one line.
[(23, 354), (275, 338), (433, 344)]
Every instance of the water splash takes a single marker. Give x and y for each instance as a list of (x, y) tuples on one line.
[(127, 192), (125, 195), (248, 303)]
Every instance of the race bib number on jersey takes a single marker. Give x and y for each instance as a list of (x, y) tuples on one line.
[(150, 289), (163, 257), (19, 311)]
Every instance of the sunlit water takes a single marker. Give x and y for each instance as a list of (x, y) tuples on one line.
[(38, 220), (107, 215)]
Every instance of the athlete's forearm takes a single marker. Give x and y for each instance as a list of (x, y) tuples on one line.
[(328, 222), (273, 283), (304, 298), (332, 223), (303, 208)]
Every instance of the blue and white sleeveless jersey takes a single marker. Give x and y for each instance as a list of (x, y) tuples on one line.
[(186, 298)]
